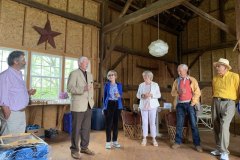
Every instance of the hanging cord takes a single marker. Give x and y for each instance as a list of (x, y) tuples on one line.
[(158, 25)]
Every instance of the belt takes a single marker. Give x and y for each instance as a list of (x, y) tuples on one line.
[(222, 99)]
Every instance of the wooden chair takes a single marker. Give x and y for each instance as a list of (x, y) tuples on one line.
[(132, 124)]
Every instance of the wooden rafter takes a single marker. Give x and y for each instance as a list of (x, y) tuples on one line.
[(142, 14), (119, 60), (170, 71), (209, 18), (58, 12), (196, 59), (119, 32)]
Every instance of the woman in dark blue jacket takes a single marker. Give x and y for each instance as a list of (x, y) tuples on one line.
[(112, 105)]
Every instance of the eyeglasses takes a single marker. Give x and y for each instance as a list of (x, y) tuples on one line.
[(110, 75)]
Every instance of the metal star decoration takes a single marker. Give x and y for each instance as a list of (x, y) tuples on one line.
[(46, 34)]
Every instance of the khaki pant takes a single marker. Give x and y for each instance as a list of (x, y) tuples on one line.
[(222, 114), (16, 123), (81, 127)]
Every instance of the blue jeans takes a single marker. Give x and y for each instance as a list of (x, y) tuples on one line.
[(182, 110)]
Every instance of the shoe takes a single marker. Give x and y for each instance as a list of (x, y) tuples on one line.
[(199, 148), (216, 152), (144, 142), (108, 145), (224, 156), (175, 146), (116, 144), (87, 151), (155, 144), (75, 155)]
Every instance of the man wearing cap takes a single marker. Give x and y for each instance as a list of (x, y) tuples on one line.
[(225, 91)]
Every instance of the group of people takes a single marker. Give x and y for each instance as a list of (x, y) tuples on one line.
[(14, 97)]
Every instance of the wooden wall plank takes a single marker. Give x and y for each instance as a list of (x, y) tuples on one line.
[(87, 41), (92, 10), (233, 60), (205, 70), (194, 71), (75, 7), (42, 1), (128, 37), (74, 38), (205, 6), (137, 36), (204, 32), (230, 20), (58, 4), (145, 37), (193, 33), (31, 37), (11, 24), (214, 4)]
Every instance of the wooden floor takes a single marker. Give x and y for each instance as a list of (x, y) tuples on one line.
[(132, 150)]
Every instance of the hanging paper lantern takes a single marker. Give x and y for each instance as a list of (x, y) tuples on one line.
[(158, 48)]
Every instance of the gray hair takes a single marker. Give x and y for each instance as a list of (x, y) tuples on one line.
[(111, 72), (81, 59), (13, 56), (183, 66), (149, 74)]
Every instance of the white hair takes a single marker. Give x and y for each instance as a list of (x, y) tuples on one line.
[(149, 74), (81, 59), (183, 66)]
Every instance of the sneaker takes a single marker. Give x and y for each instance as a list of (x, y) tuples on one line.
[(108, 145), (75, 155), (116, 144), (155, 144), (199, 148), (224, 156), (216, 152), (87, 151), (175, 146), (144, 142)]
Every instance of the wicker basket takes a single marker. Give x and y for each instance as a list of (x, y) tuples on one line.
[(172, 133), (171, 122), (132, 125)]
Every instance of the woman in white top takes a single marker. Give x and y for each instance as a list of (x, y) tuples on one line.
[(148, 93)]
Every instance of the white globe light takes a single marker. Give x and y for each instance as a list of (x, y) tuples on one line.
[(158, 48)]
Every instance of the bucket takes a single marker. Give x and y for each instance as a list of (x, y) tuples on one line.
[(98, 120)]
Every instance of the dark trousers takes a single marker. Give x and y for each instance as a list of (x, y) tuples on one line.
[(81, 127), (182, 110), (111, 117)]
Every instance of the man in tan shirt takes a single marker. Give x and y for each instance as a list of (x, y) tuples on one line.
[(80, 85)]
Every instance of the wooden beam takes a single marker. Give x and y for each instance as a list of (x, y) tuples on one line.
[(209, 48), (196, 59), (139, 53), (170, 72), (209, 18), (58, 12), (142, 14), (118, 61), (125, 9), (150, 21)]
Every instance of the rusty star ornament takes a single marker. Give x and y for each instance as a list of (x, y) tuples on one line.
[(47, 34)]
